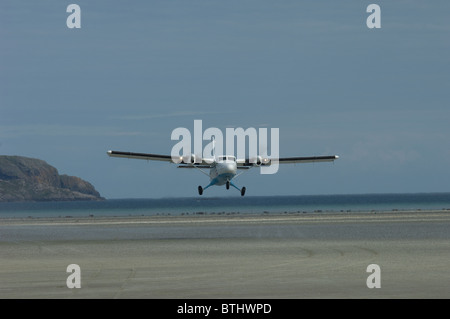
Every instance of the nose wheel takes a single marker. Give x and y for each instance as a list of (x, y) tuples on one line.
[(228, 185)]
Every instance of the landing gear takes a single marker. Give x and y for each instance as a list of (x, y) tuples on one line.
[(228, 184)]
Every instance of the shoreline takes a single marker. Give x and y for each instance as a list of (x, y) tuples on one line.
[(317, 216)]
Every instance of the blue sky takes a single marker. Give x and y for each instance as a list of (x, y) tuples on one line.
[(378, 98)]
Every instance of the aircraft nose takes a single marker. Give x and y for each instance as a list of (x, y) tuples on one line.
[(227, 168), (230, 167)]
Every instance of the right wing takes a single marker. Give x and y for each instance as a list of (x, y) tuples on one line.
[(189, 161), (260, 161), (144, 156)]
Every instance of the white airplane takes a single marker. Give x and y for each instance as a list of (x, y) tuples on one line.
[(222, 168)]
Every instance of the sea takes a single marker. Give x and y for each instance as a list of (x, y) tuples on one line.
[(229, 205)]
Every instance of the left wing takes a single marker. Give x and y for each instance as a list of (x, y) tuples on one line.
[(311, 159), (287, 160)]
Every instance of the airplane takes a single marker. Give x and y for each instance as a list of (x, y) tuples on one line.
[(222, 169)]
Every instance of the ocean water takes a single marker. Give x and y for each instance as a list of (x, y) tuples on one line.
[(229, 205)]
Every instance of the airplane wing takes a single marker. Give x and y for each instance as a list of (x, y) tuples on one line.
[(144, 156), (186, 162), (241, 164), (311, 159), (287, 160)]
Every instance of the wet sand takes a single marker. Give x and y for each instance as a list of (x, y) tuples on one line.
[(309, 255)]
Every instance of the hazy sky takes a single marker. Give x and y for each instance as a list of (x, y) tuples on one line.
[(136, 70)]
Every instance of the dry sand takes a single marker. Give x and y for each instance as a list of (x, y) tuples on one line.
[(266, 256)]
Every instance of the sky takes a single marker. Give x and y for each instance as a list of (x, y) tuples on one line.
[(137, 70)]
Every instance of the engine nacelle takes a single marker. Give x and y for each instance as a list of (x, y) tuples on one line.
[(254, 161), (189, 159)]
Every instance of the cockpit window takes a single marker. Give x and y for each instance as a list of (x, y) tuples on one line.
[(227, 158)]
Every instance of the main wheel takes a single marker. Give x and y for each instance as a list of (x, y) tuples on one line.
[(200, 190), (243, 191)]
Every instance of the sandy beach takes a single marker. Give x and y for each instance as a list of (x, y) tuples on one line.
[(256, 256)]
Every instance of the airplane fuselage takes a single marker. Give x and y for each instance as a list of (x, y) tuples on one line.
[(223, 171)]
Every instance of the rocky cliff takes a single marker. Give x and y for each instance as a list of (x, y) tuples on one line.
[(29, 179)]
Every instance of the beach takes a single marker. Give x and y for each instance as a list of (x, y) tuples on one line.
[(314, 255)]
